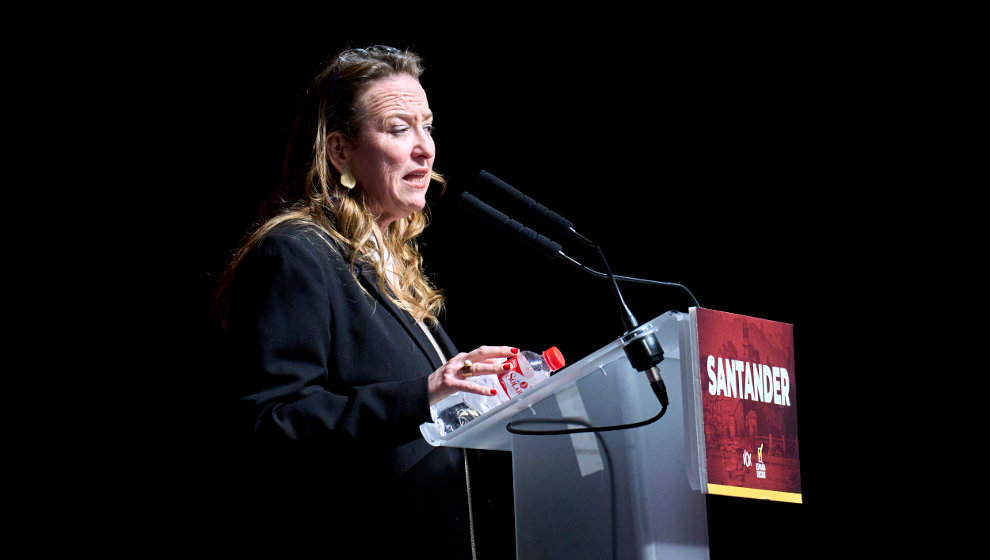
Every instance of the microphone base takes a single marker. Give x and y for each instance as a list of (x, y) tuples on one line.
[(642, 347)]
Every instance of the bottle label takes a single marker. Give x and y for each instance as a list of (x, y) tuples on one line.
[(521, 377), (514, 383)]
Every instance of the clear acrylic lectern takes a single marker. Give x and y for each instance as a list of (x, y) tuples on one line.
[(616, 494)]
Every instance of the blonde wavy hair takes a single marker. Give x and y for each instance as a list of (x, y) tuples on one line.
[(311, 192)]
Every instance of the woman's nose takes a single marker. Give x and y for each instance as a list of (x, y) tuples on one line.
[(424, 147)]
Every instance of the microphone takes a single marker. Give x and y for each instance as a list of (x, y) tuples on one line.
[(557, 222), (524, 234)]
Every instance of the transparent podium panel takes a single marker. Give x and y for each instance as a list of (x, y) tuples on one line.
[(613, 494)]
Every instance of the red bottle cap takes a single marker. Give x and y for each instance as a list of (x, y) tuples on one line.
[(554, 358)]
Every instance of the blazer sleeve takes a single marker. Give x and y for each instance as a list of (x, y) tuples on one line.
[(280, 321)]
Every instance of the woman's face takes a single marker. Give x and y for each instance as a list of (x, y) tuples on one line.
[(392, 156)]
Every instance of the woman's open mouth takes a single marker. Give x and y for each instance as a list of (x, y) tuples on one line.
[(419, 178)]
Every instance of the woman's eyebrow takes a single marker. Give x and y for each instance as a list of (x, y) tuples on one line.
[(405, 115)]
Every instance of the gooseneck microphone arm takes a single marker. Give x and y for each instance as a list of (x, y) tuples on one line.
[(628, 320)]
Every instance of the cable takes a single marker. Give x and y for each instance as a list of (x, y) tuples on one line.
[(659, 389), (594, 272)]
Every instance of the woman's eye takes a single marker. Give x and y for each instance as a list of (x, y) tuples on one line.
[(402, 129)]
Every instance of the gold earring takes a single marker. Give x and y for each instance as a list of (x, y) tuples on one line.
[(347, 180)]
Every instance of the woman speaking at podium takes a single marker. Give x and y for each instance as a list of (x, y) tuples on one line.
[(331, 325)]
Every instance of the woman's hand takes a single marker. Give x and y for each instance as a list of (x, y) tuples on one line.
[(453, 376)]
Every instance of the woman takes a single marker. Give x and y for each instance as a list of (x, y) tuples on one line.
[(332, 325)]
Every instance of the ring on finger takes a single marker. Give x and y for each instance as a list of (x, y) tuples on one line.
[(468, 368)]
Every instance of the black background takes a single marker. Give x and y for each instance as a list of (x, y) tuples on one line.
[(735, 160)]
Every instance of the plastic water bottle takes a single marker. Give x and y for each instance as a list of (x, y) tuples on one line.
[(525, 370), (528, 369)]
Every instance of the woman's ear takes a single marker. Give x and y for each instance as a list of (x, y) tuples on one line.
[(338, 151)]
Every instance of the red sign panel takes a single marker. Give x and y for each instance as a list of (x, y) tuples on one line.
[(749, 406)]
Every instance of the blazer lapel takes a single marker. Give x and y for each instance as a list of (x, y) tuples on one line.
[(368, 276), (444, 341)]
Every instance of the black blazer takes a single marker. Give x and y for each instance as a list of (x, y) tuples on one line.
[(331, 385)]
